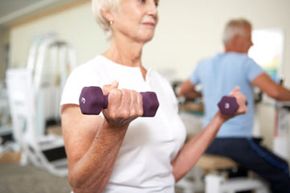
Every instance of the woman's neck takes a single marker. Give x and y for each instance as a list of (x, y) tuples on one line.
[(128, 54), (125, 52)]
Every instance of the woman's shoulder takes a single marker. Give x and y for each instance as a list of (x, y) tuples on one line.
[(156, 75), (87, 70), (159, 78), (92, 63)]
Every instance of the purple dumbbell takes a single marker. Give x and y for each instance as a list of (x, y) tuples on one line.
[(228, 105), (93, 101)]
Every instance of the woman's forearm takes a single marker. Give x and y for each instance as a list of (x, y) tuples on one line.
[(195, 147), (92, 172)]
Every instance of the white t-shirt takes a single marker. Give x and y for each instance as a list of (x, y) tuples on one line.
[(151, 143)]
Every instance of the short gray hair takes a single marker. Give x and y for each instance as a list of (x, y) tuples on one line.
[(100, 5), (234, 28)]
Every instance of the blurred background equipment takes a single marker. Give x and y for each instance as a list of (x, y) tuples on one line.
[(34, 97), (281, 130)]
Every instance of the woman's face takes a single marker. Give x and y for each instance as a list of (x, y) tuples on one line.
[(135, 19)]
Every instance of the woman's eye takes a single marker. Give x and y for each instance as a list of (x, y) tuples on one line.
[(156, 3)]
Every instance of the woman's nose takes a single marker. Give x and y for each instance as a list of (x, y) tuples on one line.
[(152, 7)]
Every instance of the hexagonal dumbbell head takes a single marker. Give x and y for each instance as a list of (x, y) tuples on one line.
[(150, 104), (92, 100), (228, 105)]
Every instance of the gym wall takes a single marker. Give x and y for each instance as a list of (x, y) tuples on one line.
[(188, 31)]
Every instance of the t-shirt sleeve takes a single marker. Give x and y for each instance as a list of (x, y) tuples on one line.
[(72, 89), (253, 70)]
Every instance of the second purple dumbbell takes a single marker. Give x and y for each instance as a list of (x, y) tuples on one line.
[(228, 105), (92, 101)]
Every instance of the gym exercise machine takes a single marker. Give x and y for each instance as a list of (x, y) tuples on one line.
[(6, 137), (34, 96), (281, 141)]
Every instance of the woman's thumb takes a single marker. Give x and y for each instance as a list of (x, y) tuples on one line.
[(236, 89), (108, 87)]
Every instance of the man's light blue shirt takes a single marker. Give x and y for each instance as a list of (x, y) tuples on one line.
[(218, 76)]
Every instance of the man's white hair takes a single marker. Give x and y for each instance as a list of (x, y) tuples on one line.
[(235, 27)]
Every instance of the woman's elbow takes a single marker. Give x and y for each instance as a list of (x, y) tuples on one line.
[(178, 173), (79, 184), (75, 183)]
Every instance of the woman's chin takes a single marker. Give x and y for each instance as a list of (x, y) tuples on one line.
[(147, 37)]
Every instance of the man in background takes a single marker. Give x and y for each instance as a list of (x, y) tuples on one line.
[(227, 70)]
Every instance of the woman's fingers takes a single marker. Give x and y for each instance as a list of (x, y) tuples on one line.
[(124, 105), (108, 87), (241, 100)]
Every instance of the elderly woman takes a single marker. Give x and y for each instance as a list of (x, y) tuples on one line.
[(119, 151)]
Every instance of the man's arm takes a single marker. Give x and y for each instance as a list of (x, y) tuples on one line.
[(272, 89), (187, 90)]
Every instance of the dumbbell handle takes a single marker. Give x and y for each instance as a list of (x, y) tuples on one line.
[(92, 101), (228, 105)]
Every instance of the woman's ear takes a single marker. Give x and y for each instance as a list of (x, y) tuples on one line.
[(107, 13)]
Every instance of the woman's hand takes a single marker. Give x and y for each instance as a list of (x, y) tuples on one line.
[(123, 105), (241, 100)]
